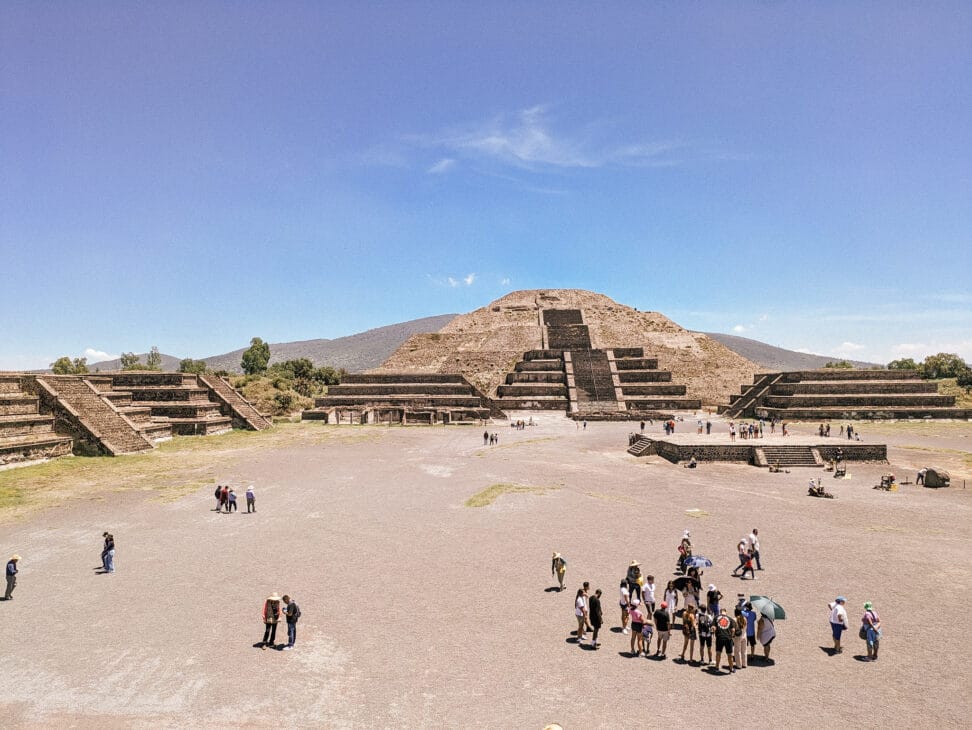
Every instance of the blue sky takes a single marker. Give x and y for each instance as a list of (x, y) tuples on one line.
[(190, 175)]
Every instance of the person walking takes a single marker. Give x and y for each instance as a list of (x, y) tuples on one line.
[(595, 616), (558, 568), (871, 631), (108, 553), (838, 621), (580, 613), (11, 574), (231, 507), (748, 568), (271, 615), (689, 633), (742, 548), (292, 613), (754, 547), (739, 639), (250, 500)]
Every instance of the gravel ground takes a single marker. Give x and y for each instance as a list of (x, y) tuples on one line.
[(421, 612)]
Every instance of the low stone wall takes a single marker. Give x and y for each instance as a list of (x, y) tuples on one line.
[(744, 453), (856, 387), (861, 402), (796, 376), (645, 376), (636, 363), (377, 378)]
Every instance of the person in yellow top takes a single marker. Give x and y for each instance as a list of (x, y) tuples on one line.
[(558, 567)]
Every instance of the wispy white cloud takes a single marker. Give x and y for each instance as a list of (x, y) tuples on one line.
[(738, 329), (468, 279), (442, 166), (528, 140), (504, 281), (454, 283), (848, 348), (94, 355)]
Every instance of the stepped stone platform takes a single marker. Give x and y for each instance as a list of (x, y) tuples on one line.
[(400, 398), (788, 453), (27, 436), (829, 394)]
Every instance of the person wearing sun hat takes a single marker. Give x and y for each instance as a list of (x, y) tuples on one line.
[(271, 615), (633, 575), (838, 621), (11, 573)]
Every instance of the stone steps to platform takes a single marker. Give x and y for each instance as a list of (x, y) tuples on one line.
[(640, 447), (85, 407), (234, 401), (787, 456)]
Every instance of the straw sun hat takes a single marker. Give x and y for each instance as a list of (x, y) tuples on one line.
[(273, 597)]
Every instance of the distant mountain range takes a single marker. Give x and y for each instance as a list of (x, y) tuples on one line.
[(776, 358), (370, 349)]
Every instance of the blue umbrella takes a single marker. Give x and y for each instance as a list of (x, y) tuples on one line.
[(697, 561)]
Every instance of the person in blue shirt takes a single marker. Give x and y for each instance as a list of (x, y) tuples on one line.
[(11, 577), (750, 615)]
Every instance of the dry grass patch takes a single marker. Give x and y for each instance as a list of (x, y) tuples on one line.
[(494, 491)]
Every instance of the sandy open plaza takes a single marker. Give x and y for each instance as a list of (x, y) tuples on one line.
[(421, 611)]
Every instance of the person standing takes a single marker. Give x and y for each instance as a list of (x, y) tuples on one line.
[(703, 621), (485, 438), (231, 507), (689, 632), (224, 498), (754, 547), (271, 615), (11, 573), (724, 630), (219, 497), (663, 627), (712, 598), (623, 600), (634, 579), (648, 593), (750, 615), (250, 500), (838, 621), (580, 613), (871, 630), (739, 639), (671, 600), (766, 632), (595, 616), (292, 613), (637, 626), (558, 568)]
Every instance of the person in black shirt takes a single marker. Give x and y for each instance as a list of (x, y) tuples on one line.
[(292, 612), (662, 629), (725, 627), (594, 616)]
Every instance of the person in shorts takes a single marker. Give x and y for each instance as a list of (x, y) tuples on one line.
[(637, 624), (725, 627), (750, 615), (663, 627), (838, 621), (703, 623), (623, 601)]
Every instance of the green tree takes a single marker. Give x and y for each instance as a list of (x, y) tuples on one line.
[(129, 361), (256, 358), (67, 366), (942, 365), (153, 360), (905, 363), (188, 365), (840, 364), (964, 380)]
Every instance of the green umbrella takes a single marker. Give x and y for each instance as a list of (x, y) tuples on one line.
[(768, 607)]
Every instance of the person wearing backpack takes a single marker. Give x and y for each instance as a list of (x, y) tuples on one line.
[(703, 621), (292, 613)]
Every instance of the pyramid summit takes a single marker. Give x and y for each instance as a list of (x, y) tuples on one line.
[(485, 345)]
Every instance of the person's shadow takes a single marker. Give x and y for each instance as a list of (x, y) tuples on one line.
[(828, 650), (551, 589)]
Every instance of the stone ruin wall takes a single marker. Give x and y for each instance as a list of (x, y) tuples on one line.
[(485, 344)]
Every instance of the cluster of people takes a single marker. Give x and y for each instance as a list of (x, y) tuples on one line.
[(272, 613), (520, 424), (490, 438), (748, 549), (226, 499), (746, 430), (669, 426)]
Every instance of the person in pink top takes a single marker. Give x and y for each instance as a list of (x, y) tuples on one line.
[(637, 624)]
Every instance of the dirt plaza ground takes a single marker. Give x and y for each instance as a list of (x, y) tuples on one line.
[(421, 611)]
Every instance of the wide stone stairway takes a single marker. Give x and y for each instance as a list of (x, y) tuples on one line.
[(786, 457), (26, 435)]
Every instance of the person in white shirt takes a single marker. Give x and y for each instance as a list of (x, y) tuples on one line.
[(648, 591), (623, 601), (580, 612), (754, 546), (838, 621)]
